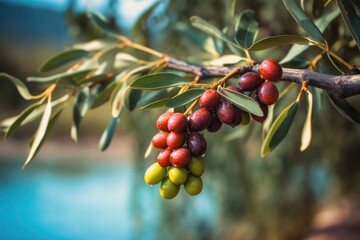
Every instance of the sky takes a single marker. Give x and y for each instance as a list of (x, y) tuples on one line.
[(128, 10)]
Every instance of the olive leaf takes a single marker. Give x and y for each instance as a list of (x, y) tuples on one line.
[(274, 41), (243, 101), (108, 133), (184, 98), (40, 133), (246, 28), (158, 81), (304, 21), (344, 108), (20, 86), (63, 58), (279, 129), (307, 132)]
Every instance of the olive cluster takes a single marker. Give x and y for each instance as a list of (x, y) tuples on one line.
[(182, 142), (180, 160)]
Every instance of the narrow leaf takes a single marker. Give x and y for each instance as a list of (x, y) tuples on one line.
[(345, 108), (244, 102), (40, 133), (156, 104), (274, 41), (205, 26), (158, 81), (246, 28), (132, 98), (66, 76), (351, 19), (63, 58), (306, 132), (279, 128), (322, 24), (108, 133), (102, 24), (20, 86), (20, 118), (80, 108), (303, 20), (184, 98)]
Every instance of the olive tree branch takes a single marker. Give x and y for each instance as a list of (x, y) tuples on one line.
[(343, 86)]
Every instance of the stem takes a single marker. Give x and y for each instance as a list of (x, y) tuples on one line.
[(191, 107), (343, 86), (334, 55)]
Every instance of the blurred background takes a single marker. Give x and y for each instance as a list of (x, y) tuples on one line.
[(75, 191)]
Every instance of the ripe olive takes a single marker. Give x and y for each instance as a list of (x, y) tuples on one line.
[(168, 190), (193, 185), (154, 174), (209, 99), (215, 124), (178, 175), (268, 93), (270, 70), (265, 111), (162, 121), (250, 81), (226, 112), (163, 158), (196, 144), (200, 120), (175, 139), (159, 140), (180, 157), (177, 122)]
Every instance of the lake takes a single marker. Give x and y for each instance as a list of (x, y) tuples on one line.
[(55, 199)]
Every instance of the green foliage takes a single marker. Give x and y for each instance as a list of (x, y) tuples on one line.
[(129, 76)]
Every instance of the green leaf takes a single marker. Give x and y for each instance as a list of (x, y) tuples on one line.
[(184, 98), (279, 128), (20, 86), (274, 41), (303, 20), (62, 77), (351, 19), (94, 79), (246, 28), (63, 58), (20, 118), (108, 133), (132, 98), (345, 108), (80, 108), (101, 94), (158, 81), (205, 26), (306, 132), (322, 24), (244, 102), (144, 16), (117, 101), (101, 23), (34, 114), (156, 104), (40, 133)]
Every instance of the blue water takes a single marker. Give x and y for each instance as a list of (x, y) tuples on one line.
[(96, 200)]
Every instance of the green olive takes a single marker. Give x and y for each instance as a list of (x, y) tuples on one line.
[(154, 174), (245, 118), (178, 175), (196, 166), (193, 185), (168, 190)]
